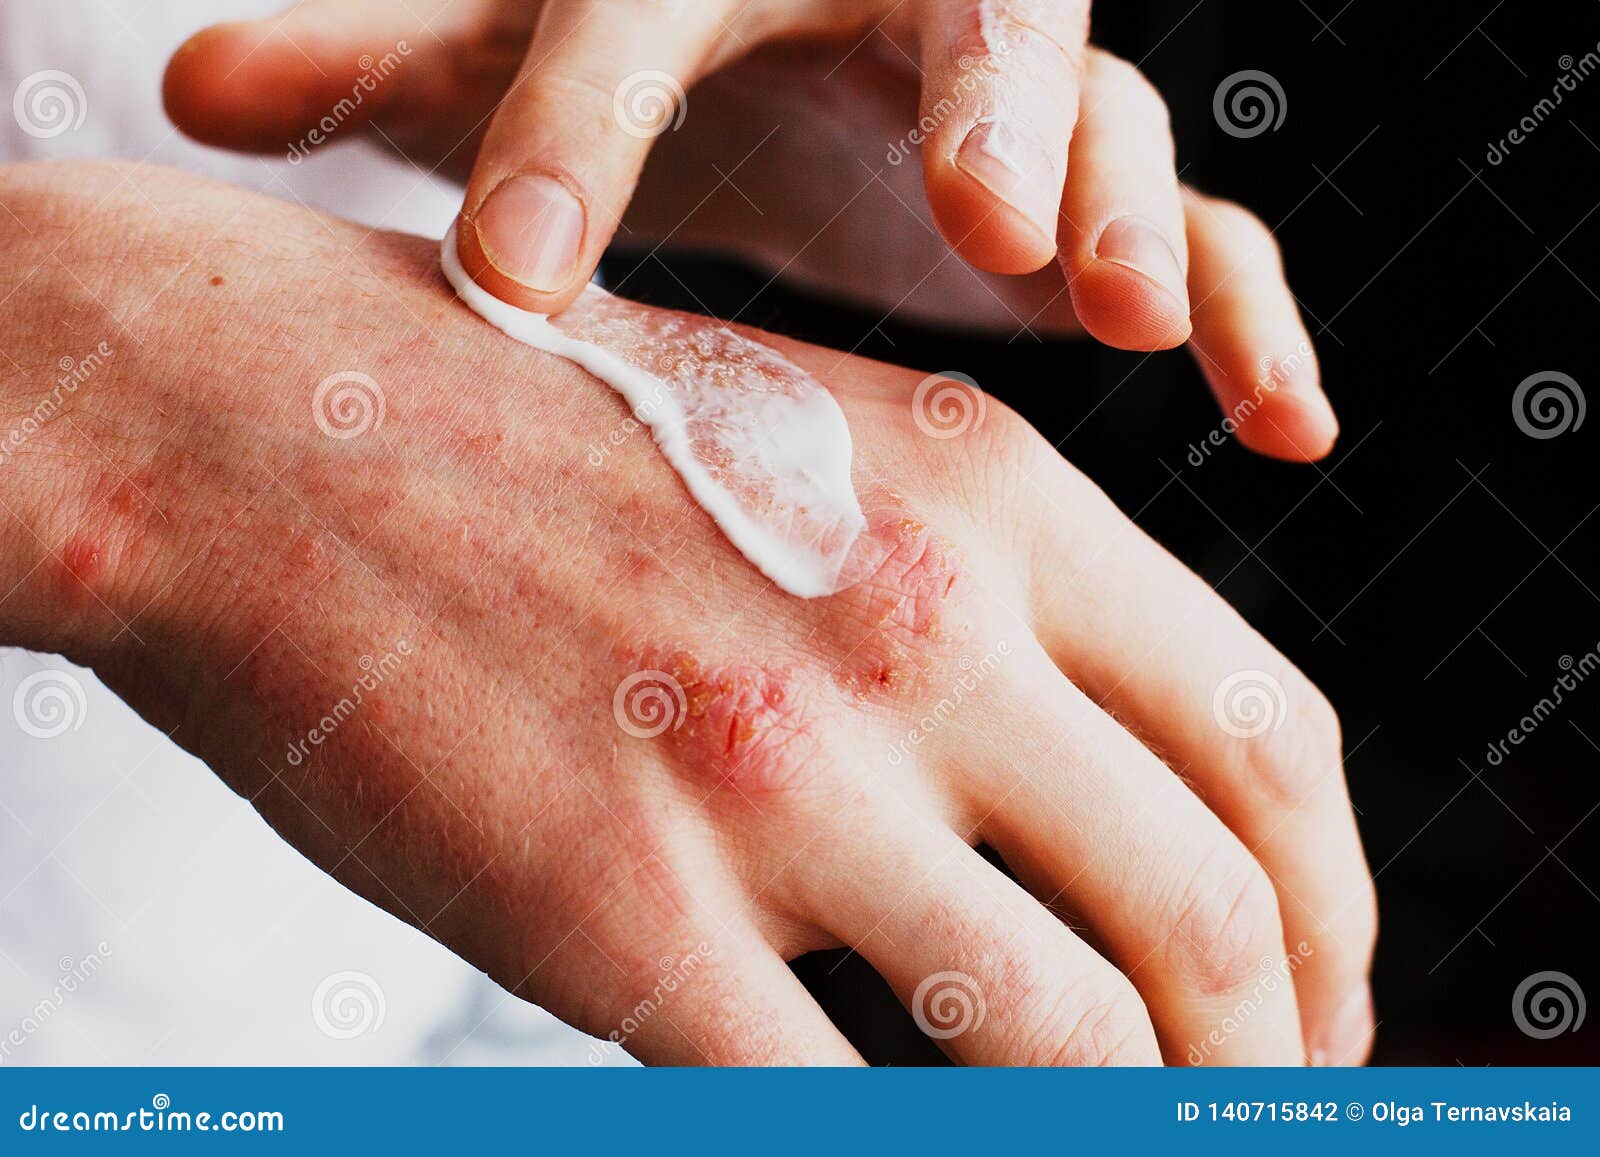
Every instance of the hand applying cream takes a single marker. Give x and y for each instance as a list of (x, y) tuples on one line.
[(1028, 145), (760, 444)]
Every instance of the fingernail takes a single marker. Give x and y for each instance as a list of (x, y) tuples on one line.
[(1139, 245), (1014, 168), (1348, 1032), (530, 229)]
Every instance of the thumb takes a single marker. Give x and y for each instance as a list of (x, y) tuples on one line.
[(295, 80), (563, 154)]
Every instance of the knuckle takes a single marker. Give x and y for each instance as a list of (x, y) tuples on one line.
[(1030, 454), (1059, 492), (1043, 1001), (1228, 924), (973, 444), (1095, 1019), (1357, 924), (1134, 90), (1108, 1027), (1015, 443), (572, 86), (580, 97), (751, 727), (911, 603), (1319, 721), (1013, 459), (1005, 42), (1247, 231), (1293, 762)]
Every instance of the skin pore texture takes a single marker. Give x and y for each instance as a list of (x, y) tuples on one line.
[(760, 443), (1002, 669)]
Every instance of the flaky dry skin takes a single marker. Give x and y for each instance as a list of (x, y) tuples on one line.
[(419, 649)]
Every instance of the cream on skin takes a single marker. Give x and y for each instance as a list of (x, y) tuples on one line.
[(760, 444)]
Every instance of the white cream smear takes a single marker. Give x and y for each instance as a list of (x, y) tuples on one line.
[(760, 444), (1001, 142)]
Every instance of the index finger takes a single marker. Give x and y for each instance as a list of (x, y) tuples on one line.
[(1000, 89), (559, 163)]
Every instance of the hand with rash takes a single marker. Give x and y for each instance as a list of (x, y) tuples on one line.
[(592, 743), (967, 162)]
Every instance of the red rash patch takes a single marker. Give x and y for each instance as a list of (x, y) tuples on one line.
[(484, 444), (740, 723), (306, 552), (905, 604), (124, 494), (82, 564)]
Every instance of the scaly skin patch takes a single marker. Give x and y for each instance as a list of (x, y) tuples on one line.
[(745, 725), (906, 607)]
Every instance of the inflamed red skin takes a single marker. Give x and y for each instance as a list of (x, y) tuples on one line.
[(411, 630)]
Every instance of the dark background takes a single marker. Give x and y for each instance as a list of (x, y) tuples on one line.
[(1437, 570)]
